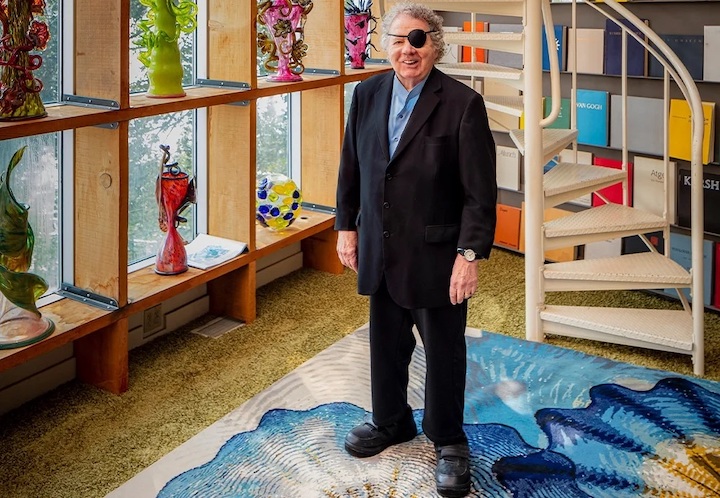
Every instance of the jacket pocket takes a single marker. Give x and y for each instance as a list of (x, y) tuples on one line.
[(435, 234)]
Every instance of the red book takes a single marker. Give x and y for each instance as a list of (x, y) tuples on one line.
[(613, 193), (479, 52)]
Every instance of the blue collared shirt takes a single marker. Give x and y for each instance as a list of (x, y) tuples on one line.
[(402, 104)]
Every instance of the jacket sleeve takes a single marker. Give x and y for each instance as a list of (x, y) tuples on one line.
[(477, 175), (348, 189)]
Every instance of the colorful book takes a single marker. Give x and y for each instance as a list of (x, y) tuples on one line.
[(563, 119), (716, 280), (500, 58), (711, 49), (649, 186), (637, 54), (711, 198), (467, 51), (590, 50), (507, 228), (688, 48), (560, 32), (645, 122), (680, 130), (613, 193), (507, 167), (681, 253), (592, 117)]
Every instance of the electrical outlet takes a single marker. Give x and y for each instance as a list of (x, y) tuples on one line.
[(153, 319)]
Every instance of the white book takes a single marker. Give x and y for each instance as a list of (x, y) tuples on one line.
[(603, 249), (711, 68), (590, 50), (206, 251), (508, 167), (649, 186), (452, 50), (582, 157)]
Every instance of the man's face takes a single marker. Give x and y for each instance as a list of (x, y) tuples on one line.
[(411, 64)]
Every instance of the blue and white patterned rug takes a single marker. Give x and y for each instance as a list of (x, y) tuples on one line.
[(542, 422)]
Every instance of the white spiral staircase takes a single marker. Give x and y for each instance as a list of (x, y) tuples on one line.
[(678, 331)]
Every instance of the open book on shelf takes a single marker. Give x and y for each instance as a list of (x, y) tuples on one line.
[(206, 251)]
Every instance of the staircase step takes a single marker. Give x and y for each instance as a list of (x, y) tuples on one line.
[(606, 222), (647, 270), (481, 70), (504, 103), (554, 140), (568, 181), (505, 41), (665, 330), (497, 7)]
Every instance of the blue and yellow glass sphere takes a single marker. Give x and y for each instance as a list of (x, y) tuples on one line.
[(277, 201)]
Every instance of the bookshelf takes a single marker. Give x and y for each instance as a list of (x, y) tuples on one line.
[(100, 211), (672, 18)]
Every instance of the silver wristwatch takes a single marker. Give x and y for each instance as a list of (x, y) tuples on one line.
[(468, 254)]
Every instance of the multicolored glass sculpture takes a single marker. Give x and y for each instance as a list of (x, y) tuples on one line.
[(174, 191), (278, 201), (21, 33), (281, 30), (359, 25), (21, 323)]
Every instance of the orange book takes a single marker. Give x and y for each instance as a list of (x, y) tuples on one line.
[(507, 230), (479, 52), (562, 254)]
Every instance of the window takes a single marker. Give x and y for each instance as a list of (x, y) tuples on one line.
[(273, 135), (178, 130), (35, 182)]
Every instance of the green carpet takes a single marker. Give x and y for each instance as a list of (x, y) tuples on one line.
[(78, 441)]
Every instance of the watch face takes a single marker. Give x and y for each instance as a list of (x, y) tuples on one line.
[(469, 254)]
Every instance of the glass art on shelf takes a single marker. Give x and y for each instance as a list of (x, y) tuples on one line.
[(174, 191), (160, 33), (281, 34), (21, 33), (21, 323), (359, 25), (278, 201)]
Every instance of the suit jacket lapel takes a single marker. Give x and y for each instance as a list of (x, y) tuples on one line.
[(383, 112), (423, 108)]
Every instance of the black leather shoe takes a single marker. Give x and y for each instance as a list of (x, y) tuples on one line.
[(369, 439), (452, 474)]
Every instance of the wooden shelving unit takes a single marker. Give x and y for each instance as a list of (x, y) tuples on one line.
[(100, 211)]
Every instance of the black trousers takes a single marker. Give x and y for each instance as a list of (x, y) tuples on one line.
[(392, 342)]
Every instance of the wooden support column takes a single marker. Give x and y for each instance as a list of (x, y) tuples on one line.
[(102, 357), (325, 36), (233, 294), (102, 71), (231, 152), (319, 252)]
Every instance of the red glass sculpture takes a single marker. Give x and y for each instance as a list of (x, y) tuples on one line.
[(174, 191)]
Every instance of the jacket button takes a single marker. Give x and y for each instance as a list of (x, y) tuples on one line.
[(386, 204), (388, 177), (386, 234)]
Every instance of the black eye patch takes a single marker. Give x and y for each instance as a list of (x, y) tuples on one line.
[(416, 37)]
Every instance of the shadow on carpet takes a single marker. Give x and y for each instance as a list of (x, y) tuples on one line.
[(542, 421)]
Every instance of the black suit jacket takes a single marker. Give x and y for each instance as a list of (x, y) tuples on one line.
[(437, 193)]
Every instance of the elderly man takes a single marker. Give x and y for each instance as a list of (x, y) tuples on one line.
[(415, 215)]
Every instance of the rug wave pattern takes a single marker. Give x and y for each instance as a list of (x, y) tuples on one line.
[(542, 422)]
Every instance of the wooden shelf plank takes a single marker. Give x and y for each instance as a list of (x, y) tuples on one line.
[(60, 117)]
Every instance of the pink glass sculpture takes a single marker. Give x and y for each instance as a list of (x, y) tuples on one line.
[(174, 191), (357, 33), (281, 37)]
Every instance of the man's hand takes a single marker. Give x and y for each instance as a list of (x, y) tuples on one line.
[(463, 282), (347, 241)]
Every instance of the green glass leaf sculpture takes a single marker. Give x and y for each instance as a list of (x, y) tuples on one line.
[(16, 247)]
